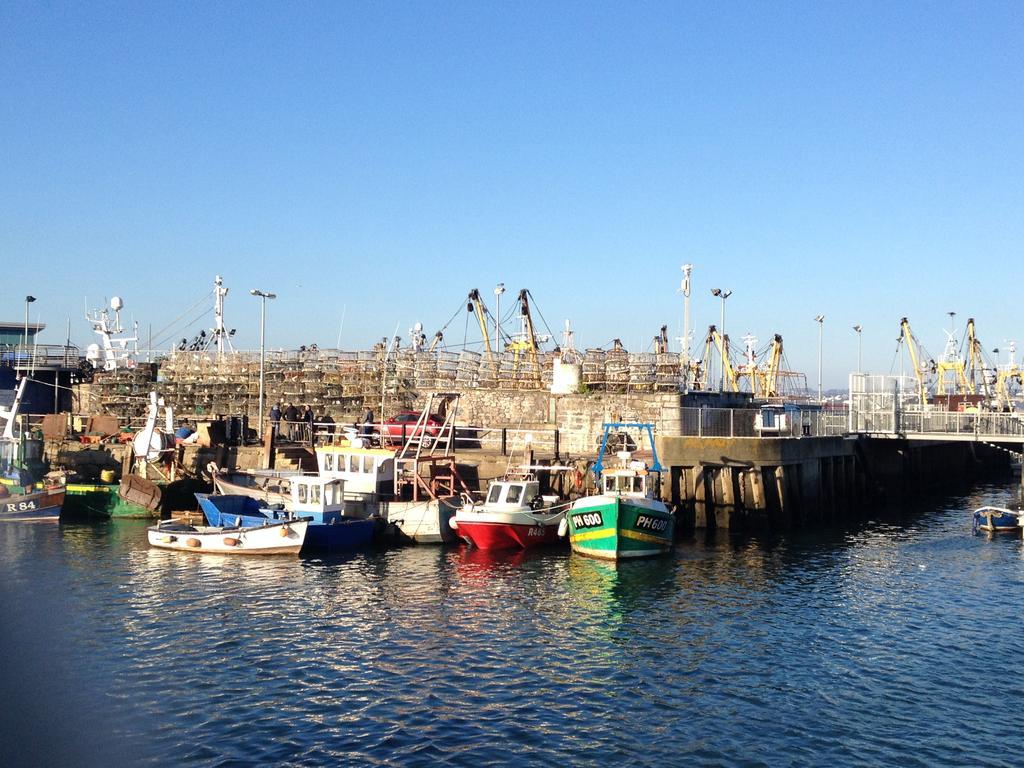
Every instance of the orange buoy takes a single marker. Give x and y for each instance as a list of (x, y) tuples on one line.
[(193, 543), (230, 542), (285, 531)]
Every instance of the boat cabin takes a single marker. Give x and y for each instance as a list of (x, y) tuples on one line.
[(638, 483), (516, 494), (363, 469), (311, 494)]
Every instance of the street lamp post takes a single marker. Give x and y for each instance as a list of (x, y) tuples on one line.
[(263, 295), (858, 329), (24, 339), (723, 295), (820, 320)]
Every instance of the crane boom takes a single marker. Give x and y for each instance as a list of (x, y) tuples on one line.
[(722, 344), (771, 371), (975, 362), (908, 335), (530, 342), (476, 305)]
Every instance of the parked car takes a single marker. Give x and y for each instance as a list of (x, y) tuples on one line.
[(399, 427)]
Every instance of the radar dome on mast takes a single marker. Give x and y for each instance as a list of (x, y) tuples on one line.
[(115, 349)]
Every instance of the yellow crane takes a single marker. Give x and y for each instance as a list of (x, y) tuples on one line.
[(975, 379), (749, 368), (770, 371), (762, 370), (721, 343), (915, 358), (1003, 379), (702, 367), (950, 370), (476, 305), (525, 342)]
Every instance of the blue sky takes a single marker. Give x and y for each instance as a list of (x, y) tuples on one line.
[(377, 161)]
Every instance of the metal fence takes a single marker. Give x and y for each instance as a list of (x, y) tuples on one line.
[(40, 356), (750, 423), (891, 405), (983, 425)]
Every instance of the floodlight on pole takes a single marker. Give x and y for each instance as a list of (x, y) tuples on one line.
[(24, 340), (723, 295)]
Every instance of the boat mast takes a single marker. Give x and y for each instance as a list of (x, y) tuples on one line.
[(221, 334), (684, 355)]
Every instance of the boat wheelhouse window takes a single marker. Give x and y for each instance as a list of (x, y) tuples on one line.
[(314, 494), (624, 483), (329, 462), (514, 492), (302, 493), (495, 494), (531, 493)]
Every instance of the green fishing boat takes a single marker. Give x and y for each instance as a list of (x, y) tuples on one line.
[(101, 500), (135, 496), (625, 519)]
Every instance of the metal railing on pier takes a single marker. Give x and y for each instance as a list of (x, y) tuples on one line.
[(971, 425), (890, 405), (756, 424), (40, 357)]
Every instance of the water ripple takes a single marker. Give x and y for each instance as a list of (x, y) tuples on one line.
[(884, 642)]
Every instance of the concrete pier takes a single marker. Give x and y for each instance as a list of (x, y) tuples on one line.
[(735, 484)]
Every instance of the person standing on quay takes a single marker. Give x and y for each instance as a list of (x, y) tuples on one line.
[(275, 419), (291, 420), (328, 424), (367, 426), (307, 418)]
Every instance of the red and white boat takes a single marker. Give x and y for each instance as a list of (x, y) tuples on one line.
[(514, 515)]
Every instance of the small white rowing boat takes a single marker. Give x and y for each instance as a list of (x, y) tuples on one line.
[(277, 538)]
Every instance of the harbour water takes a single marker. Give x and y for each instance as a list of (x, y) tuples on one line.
[(889, 641)]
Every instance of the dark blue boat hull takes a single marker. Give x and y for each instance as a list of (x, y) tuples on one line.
[(994, 519)]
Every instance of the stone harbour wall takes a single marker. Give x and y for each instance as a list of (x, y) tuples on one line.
[(578, 418)]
